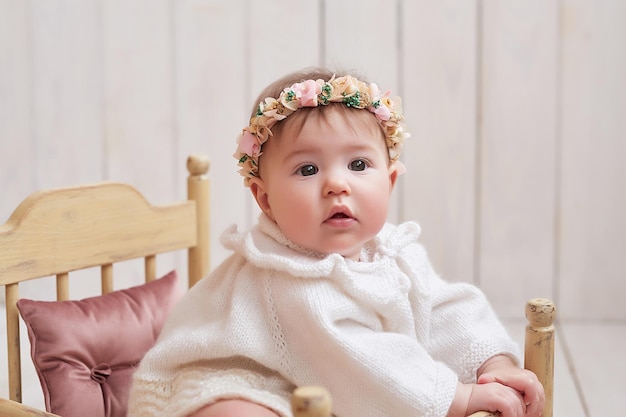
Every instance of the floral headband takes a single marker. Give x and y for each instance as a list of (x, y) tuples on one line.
[(312, 93)]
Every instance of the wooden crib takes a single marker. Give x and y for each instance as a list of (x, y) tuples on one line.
[(56, 232)]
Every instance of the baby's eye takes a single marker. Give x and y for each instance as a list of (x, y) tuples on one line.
[(307, 170), (358, 165)]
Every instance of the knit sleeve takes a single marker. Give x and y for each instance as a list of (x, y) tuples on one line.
[(464, 329), (341, 345)]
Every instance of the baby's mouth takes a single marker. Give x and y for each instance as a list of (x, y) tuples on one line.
[(340, 215)]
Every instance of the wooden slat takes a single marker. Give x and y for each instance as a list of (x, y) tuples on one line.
[(63, 286), (16, 101), (106, 278), (100, 226), (273, 54), (592, 265), (139, 121), (67, 111), (198, 23), (518, 152), (440, 106), (137, 58), (13, 343), (381, 67), (150, 267)]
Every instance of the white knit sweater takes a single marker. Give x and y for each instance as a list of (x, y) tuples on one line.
[(386, 336)]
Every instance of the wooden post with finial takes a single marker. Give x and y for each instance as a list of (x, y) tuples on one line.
[(539, 346), (311, 401), (198, 191)]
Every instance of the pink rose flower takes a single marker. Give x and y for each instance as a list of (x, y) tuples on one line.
[(382, 112), (249, 144), (307, 92)]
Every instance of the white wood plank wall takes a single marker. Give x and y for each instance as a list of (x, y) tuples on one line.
[(517, 112)]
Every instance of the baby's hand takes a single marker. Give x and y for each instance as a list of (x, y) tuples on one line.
[(496, 397), (501, 370)]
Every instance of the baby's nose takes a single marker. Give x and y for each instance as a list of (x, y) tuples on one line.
[(336, 184)]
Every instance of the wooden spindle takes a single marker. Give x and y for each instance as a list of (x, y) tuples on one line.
[(13, 342), (539, 346), (106, 278), (150, 267), (198, 190), (311, 401), (63, 286)]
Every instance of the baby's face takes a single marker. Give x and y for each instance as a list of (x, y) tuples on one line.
[(328, 185)]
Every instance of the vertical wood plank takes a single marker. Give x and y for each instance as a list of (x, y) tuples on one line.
[(518, 151), (282, 37), (17, 153), (67, 103), (439, 96), (56, 136), (138, 92), (139, 125), (211, 104), (355, 28), (17, 178), (593, 226)]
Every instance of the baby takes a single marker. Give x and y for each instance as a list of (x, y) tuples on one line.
[(322, 291)]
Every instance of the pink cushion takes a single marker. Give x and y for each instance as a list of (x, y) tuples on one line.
[(86, 351)]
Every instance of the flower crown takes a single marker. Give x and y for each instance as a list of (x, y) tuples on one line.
[(312, 93)]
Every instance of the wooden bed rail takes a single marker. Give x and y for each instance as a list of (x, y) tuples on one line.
[(57, 231)]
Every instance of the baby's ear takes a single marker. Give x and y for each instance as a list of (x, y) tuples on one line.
[(257, 188), (396, 169)]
